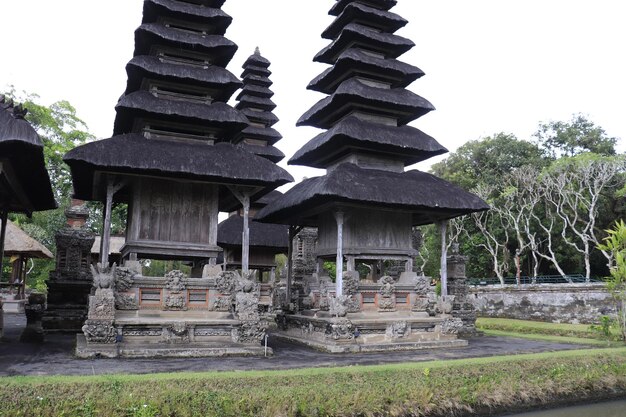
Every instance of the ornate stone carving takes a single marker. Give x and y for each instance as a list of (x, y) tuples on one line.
[(250, 332), (341, 330), (350, 283), (176, 281), (221, 304), (422, 286), (451, 326), (226, 282), (446, 304), (397, 330), (387, 286), (102, 305), (176, 333), (103, 277), (126, 302), (421, 304), (386, 304), (338, 306), (324, 302), (175, 301), (100, 331), (149, 332), (124, 279)]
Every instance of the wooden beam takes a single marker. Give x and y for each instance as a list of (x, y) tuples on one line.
[(339, 216), (243, 195), (105, 241), (3, 231)]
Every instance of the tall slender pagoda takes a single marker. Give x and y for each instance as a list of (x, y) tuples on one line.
[(175, 161), (367, 203)]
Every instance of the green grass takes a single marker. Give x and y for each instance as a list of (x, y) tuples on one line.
[(410, 389), (580, 331), (549, 338)]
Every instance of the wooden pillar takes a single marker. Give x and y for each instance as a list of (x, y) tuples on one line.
[(105, 240), (339, 216), (351, 263), (443, 228), (292, 236), (4, 216), (409, 264), (245, 242), (272, 277)]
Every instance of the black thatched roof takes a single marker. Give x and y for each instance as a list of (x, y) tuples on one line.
[(404, 143), (261, 71), (262, 235), (267, 118), (222, 163), (155, 9), (142, 103), (207, 3), (269, 134), (357, 12), (354, 62), (220, 49), (353, 95), (266, 199), (252, 79), (429, 198), (378, 4), (268, 152), (21, 146), (355, 35), (256, 60), (255, 90), (255, 102), (221, 80)]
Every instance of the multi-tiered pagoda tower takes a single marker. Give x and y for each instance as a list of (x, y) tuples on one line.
[(175, 162), (367, 203)]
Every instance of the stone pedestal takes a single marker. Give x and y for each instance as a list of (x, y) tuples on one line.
[(33, 332), (69, 285), (462, 307)]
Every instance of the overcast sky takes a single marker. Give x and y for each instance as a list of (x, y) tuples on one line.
[(491, 65)]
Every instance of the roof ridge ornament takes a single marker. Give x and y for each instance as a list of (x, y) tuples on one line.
[(257, 51)]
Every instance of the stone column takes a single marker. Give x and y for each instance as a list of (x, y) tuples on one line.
[(339, 216), (35, 308), (458, 287)]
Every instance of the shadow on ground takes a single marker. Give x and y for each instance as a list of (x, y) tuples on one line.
[(55, 356)]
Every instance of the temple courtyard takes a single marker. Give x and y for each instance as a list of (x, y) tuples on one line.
[(55, 357)]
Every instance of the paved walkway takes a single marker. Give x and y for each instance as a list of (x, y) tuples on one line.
[(54, 357)]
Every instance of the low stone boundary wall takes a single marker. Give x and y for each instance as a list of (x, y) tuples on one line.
[(563, 303)]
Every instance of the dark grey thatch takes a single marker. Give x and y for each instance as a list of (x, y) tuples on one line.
[(268, 152), (254, 79), (266, 199), (207, 3), (22, 150), (262, 235), (378, 4), (218, 47), (429, 198), (263, 72), (353, 35), (154, 9), (351, 134), (256, 60), (142, 103), (255, 90), (356, 12), (353, 94), (255, 102), (355, 62), (222, 163), (269, 134), (222, 81), (19, 243), (264, 117)]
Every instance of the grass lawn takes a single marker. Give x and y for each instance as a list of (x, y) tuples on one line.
[(441, 388), (574, 331)]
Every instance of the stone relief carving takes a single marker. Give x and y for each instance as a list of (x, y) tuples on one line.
[(446, 304), (338, 306), (175, 301), (124, 279), (221, 304), (176, 281), (126, 302), (100, 331), (176, 333), (250, 332), (350, 283), (226, 282), (102, 305), (341, 330), (397, 330), (387, 286), (451, 326), (421, 304), (103, 277), (422, 286)]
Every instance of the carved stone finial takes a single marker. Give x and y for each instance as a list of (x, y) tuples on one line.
[(257, 51), (19, 112), (103, 277)]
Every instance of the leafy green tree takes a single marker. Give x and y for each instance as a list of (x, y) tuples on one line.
[(573, 137), (615, 243)]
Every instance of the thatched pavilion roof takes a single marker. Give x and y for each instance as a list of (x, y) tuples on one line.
[(19, 243)]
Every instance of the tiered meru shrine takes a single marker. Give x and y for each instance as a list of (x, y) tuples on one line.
[(366, 205), (180, 155)]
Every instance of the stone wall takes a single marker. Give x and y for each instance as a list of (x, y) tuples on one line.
[(572, 303)]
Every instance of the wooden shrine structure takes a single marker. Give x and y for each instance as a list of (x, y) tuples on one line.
[(366, 205), (176, 161)]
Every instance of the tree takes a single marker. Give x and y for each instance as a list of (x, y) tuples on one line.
[(574, 137), (615, 243)]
